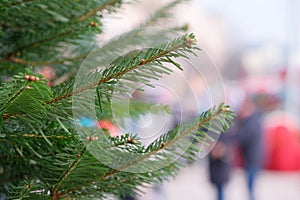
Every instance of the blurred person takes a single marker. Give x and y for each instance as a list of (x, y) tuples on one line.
[(249, 136), (127, 197), (220, 163)]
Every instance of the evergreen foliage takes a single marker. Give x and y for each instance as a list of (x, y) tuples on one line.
[(44, 153)]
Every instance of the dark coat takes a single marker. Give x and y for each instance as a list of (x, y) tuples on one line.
[(220, 166), (250, 139)]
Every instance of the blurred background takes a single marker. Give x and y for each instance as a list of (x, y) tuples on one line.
[(250, 59), (255, 46)]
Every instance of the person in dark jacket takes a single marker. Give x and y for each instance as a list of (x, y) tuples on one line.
[(220, 163), (249, 127)]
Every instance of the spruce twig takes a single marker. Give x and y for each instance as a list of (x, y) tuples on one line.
[(185, 43), (55, 190), (222, 109)]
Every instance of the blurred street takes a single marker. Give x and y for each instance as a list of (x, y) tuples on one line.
[(192, 184)]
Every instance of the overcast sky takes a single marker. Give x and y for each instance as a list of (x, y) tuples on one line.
[(256, 21)]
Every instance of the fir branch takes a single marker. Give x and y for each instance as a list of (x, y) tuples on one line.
[(33, 94), (37, 43), (74, 29), (29, 135), (221, 110), (164, 145), (25, 192), (160, 14), (55, 192), (32, 189), (21, 2), (45, 30), (19, 93), (185, 42), (14, 59), (104, 6), (11, 56)]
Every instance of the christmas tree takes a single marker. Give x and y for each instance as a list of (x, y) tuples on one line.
[(50, 147)]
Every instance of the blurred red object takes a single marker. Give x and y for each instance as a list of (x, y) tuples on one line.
[(282, 143), (283, 74), (49, 73), (106, 124)]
